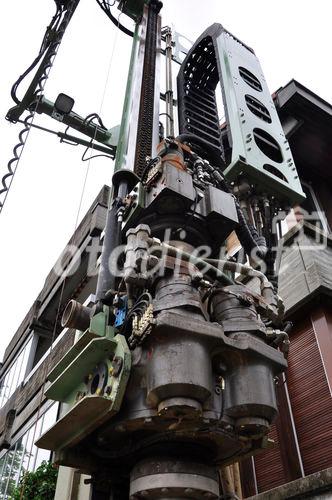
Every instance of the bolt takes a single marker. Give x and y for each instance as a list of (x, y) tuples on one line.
[(80, 395), (108, 390), (144, 493), (189, 491)]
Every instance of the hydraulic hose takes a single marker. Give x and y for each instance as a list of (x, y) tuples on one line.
[(247, 236), (192, 138), (207, 268), (240, 268)]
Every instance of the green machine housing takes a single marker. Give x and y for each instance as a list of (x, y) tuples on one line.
[(259, 148)]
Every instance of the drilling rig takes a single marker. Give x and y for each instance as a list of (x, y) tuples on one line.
[(172, 376)]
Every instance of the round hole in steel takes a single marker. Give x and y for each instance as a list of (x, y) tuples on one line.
[(250, 79), (268, 145), (258, 108)]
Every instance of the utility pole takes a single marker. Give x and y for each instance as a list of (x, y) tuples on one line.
[(172, 377)]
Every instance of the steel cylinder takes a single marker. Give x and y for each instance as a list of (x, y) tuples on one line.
[(76, 316), (178, 373), (227, 306), (163, 479), (250, 396)]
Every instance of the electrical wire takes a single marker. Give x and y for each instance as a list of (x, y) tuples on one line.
[(47, 364), (138, 309), (7, 178), (47, 40), (97, 115), (106, 8), (92, 116), (18, 149), (83, 158)]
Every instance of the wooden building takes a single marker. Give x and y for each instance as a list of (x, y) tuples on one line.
[(39, 343), (303, 432)]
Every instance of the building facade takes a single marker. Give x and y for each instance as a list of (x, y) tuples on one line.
[(302, 433), (301, 450), (39, 343)]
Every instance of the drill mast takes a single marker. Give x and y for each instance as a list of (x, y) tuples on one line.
[(173, 373)]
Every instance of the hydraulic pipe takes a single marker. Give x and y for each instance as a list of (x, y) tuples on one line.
[(169, 85), (239, 268), (112, 239), (209, 269)]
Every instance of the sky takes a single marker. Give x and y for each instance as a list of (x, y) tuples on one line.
[(292, 39)]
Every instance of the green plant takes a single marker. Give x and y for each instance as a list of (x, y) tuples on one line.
[(37, 485)]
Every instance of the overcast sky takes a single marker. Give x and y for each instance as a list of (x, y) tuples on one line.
[(292, 39)]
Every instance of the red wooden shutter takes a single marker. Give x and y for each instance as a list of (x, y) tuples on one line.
[(268, 466), (311, 400)]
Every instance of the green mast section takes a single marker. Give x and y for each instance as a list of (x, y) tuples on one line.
[(124, 127), (92, 377)]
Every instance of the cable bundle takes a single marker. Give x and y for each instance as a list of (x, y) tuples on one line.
[(106, 7), (49, 47)]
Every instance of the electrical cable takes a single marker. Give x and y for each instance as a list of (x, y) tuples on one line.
[(115, 21), (97, 115), (89, 118), (94, 156), (49, 33), (17, 153), (138, 309), (74, 141), (47, 364), (7, 178), (148, 167)]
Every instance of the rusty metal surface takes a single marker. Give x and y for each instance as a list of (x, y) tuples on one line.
[(146, 113)]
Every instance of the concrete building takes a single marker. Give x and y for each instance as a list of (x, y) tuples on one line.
[(302, 434)]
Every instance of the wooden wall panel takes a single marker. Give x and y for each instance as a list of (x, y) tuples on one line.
[(269, 467), (310, 399)]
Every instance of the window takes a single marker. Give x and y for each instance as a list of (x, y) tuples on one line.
[(24, 455), (15, 374)]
